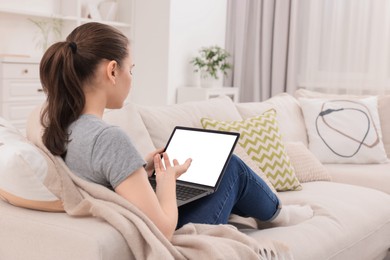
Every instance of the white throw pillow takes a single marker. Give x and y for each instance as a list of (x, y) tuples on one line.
[(344, 130), (383, 109), (23, 170), (8, 131)]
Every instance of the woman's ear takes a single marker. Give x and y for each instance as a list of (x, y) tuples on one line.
[(111, 71)]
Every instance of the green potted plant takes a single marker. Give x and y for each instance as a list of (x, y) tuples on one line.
[(211, 63)]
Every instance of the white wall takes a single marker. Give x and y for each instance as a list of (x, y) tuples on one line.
[(194, 23), (150, 51), (17, 45), (168, 34)]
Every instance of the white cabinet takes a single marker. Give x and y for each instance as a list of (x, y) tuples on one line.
[(20, 89), (185, 94)]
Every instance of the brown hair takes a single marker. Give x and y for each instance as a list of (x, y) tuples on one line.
[(65, 67)]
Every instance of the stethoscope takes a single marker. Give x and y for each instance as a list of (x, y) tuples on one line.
[(326, 112)]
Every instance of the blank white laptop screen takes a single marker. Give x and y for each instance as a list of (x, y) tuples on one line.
[(209, 152)]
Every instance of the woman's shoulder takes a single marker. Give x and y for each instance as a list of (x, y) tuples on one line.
[(89, 123), (90, 127), (97, 127), (91, 131)]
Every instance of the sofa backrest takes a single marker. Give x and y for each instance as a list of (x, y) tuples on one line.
[(160, 120), (149, 127), (288, 112)]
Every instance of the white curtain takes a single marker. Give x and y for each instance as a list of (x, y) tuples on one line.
[(260, 36), (343, 46), (335, 46)]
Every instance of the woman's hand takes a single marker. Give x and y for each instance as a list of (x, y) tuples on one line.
[(176, 170), (149, 160), (166, 175)]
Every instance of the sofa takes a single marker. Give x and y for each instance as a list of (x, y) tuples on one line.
[(350, 201)]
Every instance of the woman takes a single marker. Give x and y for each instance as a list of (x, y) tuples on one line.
[(92, 71)]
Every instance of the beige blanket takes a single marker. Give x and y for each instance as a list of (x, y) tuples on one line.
[(192, 241)]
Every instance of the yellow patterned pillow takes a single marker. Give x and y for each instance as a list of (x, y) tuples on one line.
[(241, 153), (262, 141)]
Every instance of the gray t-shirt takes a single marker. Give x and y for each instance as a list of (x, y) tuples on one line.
[(101, 153)]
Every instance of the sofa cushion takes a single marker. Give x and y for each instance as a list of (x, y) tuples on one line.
[(160, 120), (375, 176), (349, 222), (307, 167), (344, 130), (260, 137), (383, 110), (289, 115), (23, 170), (38, 235)]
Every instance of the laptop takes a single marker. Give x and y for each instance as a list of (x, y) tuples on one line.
[(210, 151)]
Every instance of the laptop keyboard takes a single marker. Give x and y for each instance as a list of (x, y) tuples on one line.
[(185, 192), (182, 192)]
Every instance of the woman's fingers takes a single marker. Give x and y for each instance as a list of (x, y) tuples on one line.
[(166, 161), (183, 168), (179, 169), (188, 162), (175, 162), (157, 163)]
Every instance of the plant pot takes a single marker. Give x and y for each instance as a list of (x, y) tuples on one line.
[(207, 81)]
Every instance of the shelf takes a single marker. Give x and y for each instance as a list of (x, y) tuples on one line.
[(112, 23), (38, 14), (62, 17), (18, 59)]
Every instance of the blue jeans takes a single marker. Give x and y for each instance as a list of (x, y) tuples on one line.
[(241, 192)]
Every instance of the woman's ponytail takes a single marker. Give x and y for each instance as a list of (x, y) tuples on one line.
[(65, 97)]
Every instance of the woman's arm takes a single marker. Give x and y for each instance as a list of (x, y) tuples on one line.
[(160, 207)]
